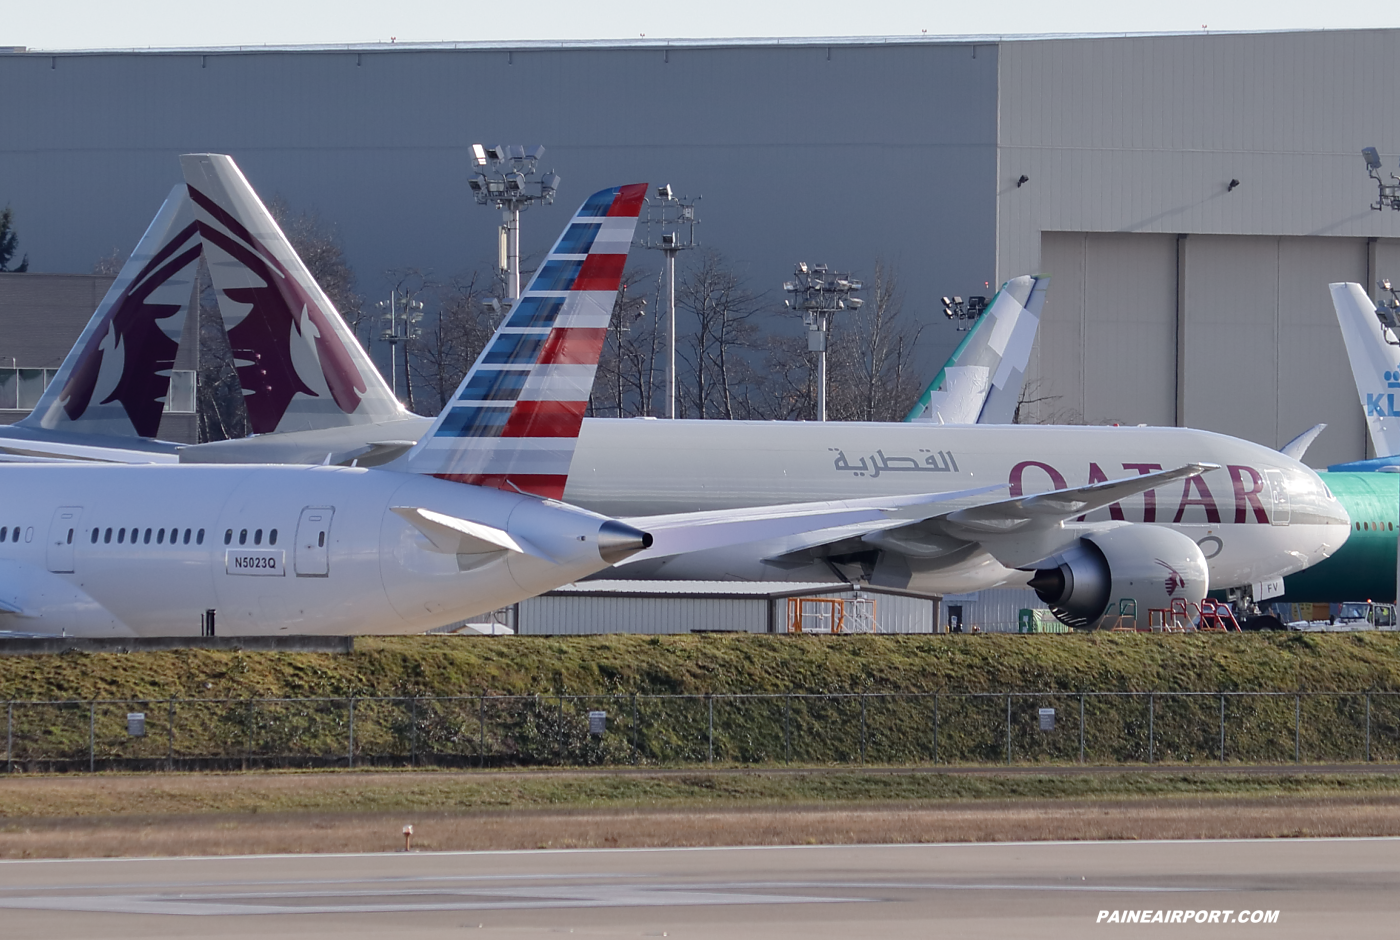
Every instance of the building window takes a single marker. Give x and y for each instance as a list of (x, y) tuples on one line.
[(22, 388)]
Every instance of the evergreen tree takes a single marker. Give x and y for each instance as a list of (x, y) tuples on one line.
[(9, 241)]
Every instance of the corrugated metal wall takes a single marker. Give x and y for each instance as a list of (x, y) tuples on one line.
[(1251, 347), (567, 613), (994, 611)]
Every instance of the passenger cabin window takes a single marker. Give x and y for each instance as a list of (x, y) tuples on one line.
[(187, 536), (70, 536), (272, 537), (4, 531), (243, 537), (147, 539), (14, 534), (257, 537), (95, 534), (121, 536), (228, 536), (160, 537), (108, 537), (321, 540), (199, 540)]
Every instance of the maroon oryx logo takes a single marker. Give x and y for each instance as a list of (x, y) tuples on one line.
[(1174, 581)]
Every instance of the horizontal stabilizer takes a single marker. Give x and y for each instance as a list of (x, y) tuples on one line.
[(454, 536)]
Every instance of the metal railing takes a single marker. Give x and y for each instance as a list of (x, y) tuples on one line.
[(669, 730)]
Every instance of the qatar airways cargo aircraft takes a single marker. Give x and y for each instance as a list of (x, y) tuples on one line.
[(1090, 514), (1095, 516), (467, 521)]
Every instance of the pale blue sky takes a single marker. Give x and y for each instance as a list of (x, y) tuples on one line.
[(80, 24)]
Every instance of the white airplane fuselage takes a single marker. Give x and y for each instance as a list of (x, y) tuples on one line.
[(1260, 516), (145, 551)]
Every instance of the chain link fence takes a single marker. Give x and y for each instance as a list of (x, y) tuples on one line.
[(675, 730)]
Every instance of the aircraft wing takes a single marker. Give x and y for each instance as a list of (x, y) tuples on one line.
[(40, 451), (700, 531)]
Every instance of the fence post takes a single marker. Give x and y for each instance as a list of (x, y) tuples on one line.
[(170, 737), (481, 741), (862, 727), (636, 750), (1222, 727), (1151, 727), (10, 734), (787, 728), (1008, 727), (935, 727), (1368, 727), (350, 754), (413, 731), (561, 729), (92, 737), (1081, 727), (710, 700), (1297, 726)]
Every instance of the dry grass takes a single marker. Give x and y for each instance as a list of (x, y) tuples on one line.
[(247, 833), (216, 814)]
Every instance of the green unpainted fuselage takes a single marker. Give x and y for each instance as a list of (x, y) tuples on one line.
[(1364, 568)]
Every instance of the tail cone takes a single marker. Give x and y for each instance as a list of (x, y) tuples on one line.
[(617, 541)]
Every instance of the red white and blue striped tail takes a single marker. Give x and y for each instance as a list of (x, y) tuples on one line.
[(514, 420)]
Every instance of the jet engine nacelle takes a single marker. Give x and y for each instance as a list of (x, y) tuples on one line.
[(1150, 565)]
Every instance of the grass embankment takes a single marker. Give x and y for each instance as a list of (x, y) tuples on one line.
[(427, 666), (235, 814), (896, 727)]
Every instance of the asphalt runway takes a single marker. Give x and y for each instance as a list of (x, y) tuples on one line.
[(1319, 887)]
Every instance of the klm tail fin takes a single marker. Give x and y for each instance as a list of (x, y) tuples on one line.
[(981, 382), (515, 418), (116, 378), (299, 365), (1375, 364)]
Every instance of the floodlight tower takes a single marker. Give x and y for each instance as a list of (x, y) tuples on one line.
[(502, 175), (818, 293), (402, 316), (670, 228), (1389, 193), (964, 313)]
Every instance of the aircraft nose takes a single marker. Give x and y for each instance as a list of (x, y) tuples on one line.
[(617, 540)]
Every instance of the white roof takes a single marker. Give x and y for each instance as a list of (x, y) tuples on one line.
[(706, 588)]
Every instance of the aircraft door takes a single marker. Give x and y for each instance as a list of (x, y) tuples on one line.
[(63, 531), (1278, 494), (313, 548)]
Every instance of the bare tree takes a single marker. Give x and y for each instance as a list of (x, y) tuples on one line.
[(109, 265), (723, 333), (444, 351), (869, 365), (221, 410), (317, 243), (627, 371)]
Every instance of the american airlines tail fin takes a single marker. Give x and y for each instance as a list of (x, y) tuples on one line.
[(981, 382), (300, 366), (116, 378), (515, 418), (1375, 364)]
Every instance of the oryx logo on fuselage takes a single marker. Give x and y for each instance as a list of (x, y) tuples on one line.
[(262, 340), (1174, 581)]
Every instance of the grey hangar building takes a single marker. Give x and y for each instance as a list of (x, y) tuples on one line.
[(1104, 161)]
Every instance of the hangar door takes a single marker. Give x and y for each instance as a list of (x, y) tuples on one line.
[(1229, 333)]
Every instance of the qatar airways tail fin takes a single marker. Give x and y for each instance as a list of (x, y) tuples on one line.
[(116, 379), (1375, 364), (298, 363), (515, 418), (981, 382)]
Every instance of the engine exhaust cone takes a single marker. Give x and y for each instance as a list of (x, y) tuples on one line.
[(617, 541), (1048, 584)]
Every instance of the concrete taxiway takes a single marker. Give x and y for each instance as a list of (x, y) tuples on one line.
[(1320, 887)]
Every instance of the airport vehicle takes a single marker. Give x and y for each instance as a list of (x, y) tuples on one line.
[(1351, 616), (982, 380)]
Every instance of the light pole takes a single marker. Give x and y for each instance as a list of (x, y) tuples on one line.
[(818, 293), (401, 319), (502, 175), (670, 229)]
